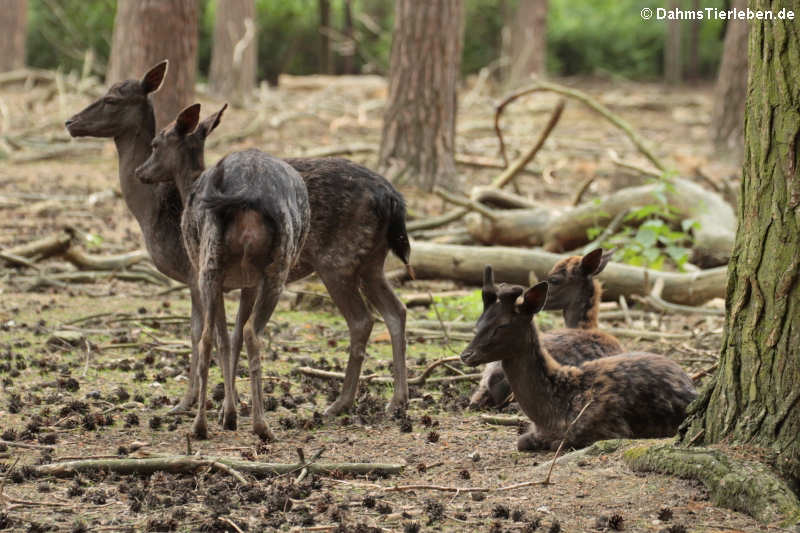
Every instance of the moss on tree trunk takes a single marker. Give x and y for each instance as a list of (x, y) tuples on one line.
[(755, 397)]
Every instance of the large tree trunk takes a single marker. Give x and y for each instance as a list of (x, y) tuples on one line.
[(418, 138), (755, 397), (727, 116), (672, 48), (13, 30), (528, 40), (149, 31), (234, 56)]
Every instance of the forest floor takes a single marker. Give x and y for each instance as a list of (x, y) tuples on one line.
[(105, 387)]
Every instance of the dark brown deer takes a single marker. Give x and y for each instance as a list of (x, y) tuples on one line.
[(357, 217), (573, 289), (244, 223), (635, 394)]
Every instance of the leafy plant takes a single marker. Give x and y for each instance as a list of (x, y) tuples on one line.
[(654, 236), (467, 308)]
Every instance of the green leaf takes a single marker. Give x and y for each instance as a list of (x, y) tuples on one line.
[(646, 236)]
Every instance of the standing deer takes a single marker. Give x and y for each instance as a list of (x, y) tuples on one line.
[(244, 224), (634, 394), (356, 218), (574, 289)]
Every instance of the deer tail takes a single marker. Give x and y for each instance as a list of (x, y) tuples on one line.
[(396, 234)]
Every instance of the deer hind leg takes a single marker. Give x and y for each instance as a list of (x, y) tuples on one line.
[(228, 411), (345, 294), (246, 301), (192, 387), (381, 295), (265, 304)]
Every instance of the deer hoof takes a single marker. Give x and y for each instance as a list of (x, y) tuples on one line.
[(200, 429), (229, 421), (261, 429)]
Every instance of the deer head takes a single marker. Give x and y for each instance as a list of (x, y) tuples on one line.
[(504, 328), (120, 110), (571, 279), (178, 149)]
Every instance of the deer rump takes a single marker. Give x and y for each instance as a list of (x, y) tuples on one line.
[(238, 206)]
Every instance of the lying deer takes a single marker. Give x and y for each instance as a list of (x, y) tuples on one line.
[(634, 394), (574, 289), (357, 217), (244, 223)]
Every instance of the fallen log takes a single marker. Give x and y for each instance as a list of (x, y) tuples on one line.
[(42, 248), (514, 265), (713, 238), (567, 230), (186, 464)]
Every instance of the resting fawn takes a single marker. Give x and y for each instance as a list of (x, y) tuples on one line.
[(357, 217), (244, 224), (634, 394), (573, 289)]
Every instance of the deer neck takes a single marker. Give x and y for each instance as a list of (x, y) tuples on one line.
[(583, 313), (534, 378), (156, 208)]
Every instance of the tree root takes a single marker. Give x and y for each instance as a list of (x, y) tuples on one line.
[(744, 486)]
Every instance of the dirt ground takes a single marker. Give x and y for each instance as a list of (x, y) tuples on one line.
[(104, 387)]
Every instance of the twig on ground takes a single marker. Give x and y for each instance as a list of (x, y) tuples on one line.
[(561, 444), (609, 230), (465, 202), (702, 373), (504, 420)]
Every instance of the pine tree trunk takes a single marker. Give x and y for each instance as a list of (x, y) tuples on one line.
[(528, 40), (672, 48), (418, 138), (13, 30), (755, 398), (149, 31), (232, 74), (727, 116), (325, 54)]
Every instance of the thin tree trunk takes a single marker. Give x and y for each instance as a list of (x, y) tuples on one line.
[(528, 40), (149, 31), (325, 55), (418, 138), (234, 55), (727, 116), (351, 52), (755, 397), (672, 48), (693, 53), (13, 30)]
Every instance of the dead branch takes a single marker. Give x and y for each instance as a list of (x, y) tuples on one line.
[(437, 221), (514, 168), (494, 420), (512, 227), (14, 444), (467, 203), (374, 378), (403, 488), (576, 199), (346, 149), (486, 162), (42, 248), (561, 444), (655, 301), (513, 265), (86, 261), (589, 102), (182, 464), (500, 198)]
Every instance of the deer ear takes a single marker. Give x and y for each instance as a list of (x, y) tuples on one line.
[(187, 120), (151, 81), (210, 123), (595, 261), (489, 291), (534, 299)]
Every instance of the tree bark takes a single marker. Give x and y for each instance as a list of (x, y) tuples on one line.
[(232, 74), (325, 54), (754, 398), (693, 45), (349, 55), (672, 48), (727, 116), (149, 31), (418, 138), (13, 30), (528, 40)]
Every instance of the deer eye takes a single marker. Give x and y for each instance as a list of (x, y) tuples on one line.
[(111, 100)]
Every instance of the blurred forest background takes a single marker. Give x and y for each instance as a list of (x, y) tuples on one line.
[(584, 37)]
